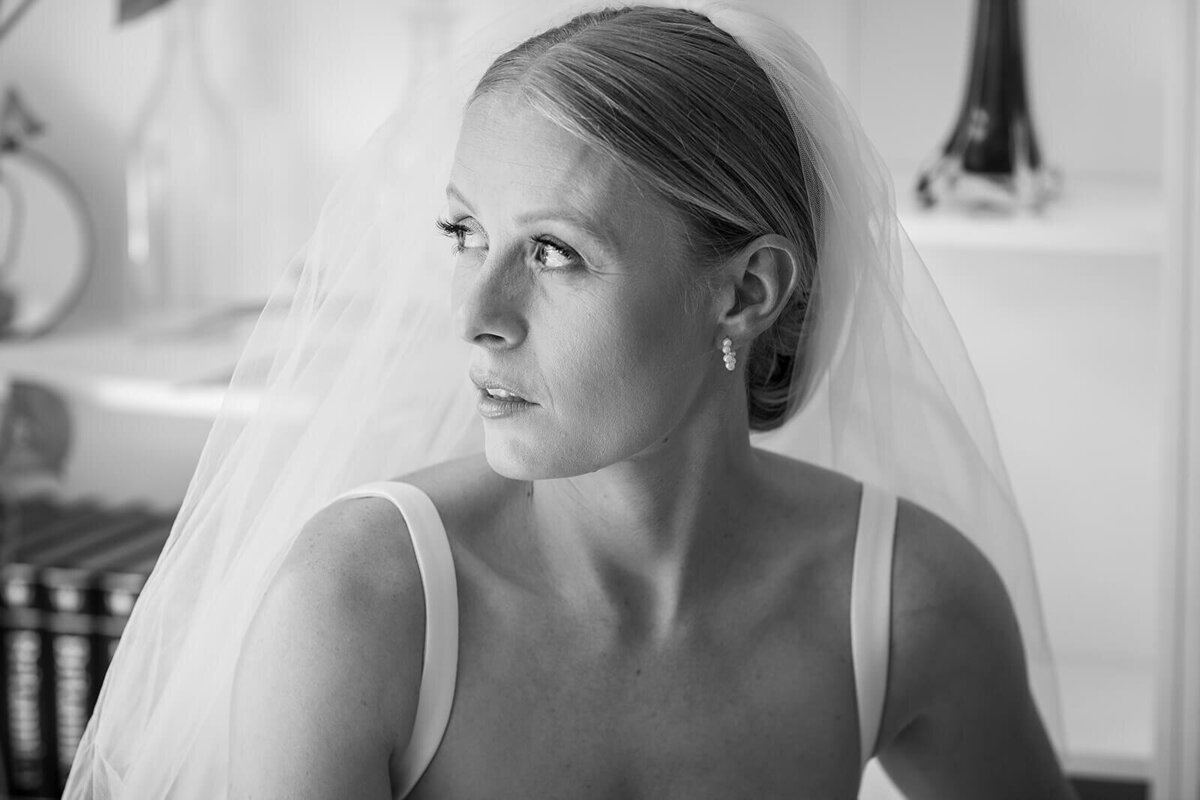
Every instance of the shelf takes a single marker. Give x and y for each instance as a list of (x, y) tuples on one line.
[(162, 367), (1093, 217)]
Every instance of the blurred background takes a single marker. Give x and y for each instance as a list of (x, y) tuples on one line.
[(1070, 313)]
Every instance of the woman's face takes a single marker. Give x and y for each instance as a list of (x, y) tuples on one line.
[(569, 282)]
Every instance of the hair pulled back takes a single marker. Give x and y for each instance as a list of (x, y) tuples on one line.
[(688, 112)]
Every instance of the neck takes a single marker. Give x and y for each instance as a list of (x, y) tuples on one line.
[(646, 535)]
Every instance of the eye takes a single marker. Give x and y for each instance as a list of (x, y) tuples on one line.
[(554, 254), (464, 235)]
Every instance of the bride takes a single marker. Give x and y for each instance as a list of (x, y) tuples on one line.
[(698, 496)]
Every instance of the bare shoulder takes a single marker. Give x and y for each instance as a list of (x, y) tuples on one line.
[(959, 719), (950, 608), (359, 544), (951, 616), (326, 684), (352, 568)]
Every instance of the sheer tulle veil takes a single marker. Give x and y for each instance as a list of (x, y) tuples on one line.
[(354, 374)]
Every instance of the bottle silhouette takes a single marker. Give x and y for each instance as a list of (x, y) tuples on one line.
[(991, 159)]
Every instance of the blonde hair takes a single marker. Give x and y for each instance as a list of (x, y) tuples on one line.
[(688, 112)]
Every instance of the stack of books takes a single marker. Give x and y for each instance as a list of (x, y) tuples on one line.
[(69, 576)]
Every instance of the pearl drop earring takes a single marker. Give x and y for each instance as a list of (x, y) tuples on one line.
[(729, 355)]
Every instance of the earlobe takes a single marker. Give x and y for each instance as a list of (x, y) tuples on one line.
[(765, 274)]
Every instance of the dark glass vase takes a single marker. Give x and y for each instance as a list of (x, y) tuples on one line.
[(991, 160)]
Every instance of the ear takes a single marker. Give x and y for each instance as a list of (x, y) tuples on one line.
[(761, 279)]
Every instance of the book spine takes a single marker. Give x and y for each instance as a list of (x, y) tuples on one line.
[(73, 676), (118, 593), (27, 689), (70, 626), (119, 584)]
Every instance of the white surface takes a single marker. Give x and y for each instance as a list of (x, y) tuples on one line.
[(876, 786), (153, 369), (1109, 714), (142, 401), (1177, 768), (1102, 217)]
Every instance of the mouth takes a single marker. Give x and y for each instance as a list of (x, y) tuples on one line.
[(496, 393), (493, 389)]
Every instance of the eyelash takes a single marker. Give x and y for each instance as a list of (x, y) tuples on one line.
[(542, 242), (458, 232)]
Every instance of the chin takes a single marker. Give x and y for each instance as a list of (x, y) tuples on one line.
[(525, 458), (544, 457), (518, 461)]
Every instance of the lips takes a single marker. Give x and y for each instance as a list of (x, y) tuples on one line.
[(504, 394), (498, 388)]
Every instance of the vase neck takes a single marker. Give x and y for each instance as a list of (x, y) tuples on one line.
[(997, 78)]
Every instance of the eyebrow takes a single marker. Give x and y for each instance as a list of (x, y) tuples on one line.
[(453, 193), (600, 233)]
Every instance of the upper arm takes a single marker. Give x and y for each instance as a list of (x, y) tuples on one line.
[(960, 720), (327, 681)]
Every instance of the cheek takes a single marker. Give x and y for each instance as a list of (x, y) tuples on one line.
[(628, 350)]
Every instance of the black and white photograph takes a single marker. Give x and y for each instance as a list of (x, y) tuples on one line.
[(599, 400)]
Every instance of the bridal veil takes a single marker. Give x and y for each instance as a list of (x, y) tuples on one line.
[(354, 374)]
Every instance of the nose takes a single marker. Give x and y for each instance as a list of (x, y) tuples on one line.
[(489, 304)]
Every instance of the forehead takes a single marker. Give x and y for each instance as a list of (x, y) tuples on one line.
[(512, 160)]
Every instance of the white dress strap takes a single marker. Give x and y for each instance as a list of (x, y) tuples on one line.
[(871, 610), (440, 667)]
